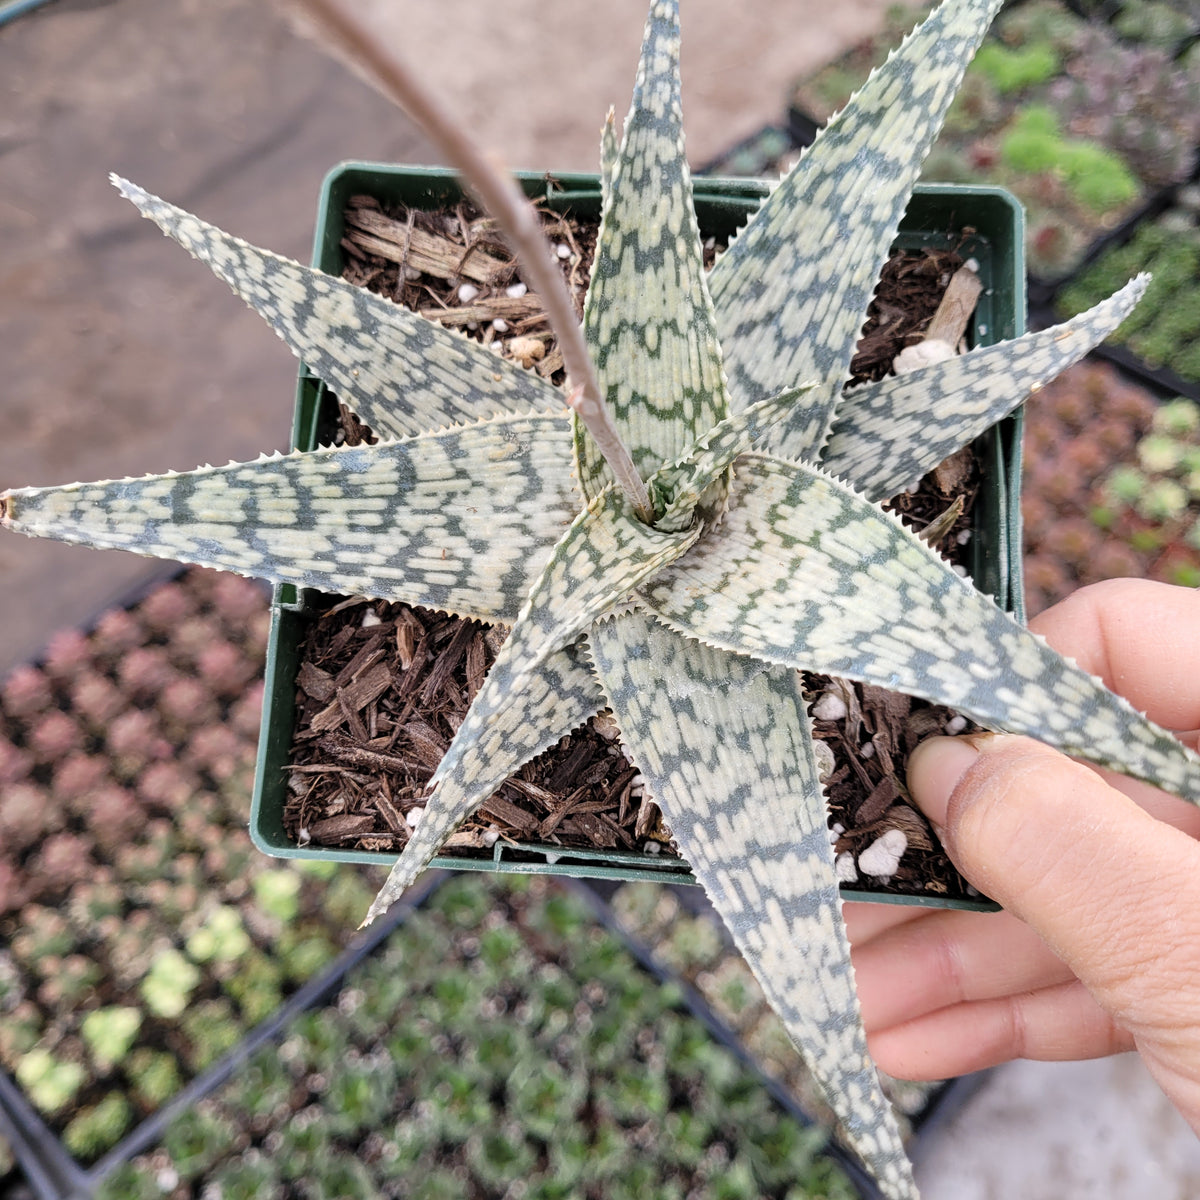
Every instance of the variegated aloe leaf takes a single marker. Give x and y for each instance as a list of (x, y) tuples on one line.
[(400, 373), (605, 554), (679, 489), (648, 317), (559, 695), (610, 151), (887, 435), (791, 292), (725, 745), (458, 520), (799, 570), (809, 574)]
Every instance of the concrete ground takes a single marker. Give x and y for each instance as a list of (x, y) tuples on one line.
[(122, 356)]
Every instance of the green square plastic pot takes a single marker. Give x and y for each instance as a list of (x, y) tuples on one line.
[(982, 223)]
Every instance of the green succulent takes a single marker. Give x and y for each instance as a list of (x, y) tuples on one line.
[(169, 984), (765, 552), (278, 893), (156, 1076), (51, 1083), (1012, 69), (222, 938), (99, 1127), (110, 1032)]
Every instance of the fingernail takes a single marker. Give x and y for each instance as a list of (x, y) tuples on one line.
[(934, 770)]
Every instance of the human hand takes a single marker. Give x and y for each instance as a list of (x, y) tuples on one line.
[(1098, 949)]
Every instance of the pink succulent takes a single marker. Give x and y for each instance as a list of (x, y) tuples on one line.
[(167, 785), (225, 668), (116, 632), (54, 736), (96, 698), (185, 704), (14, 889), (135, 736), (245, 716), (144, 671), (27, 692), (1116, 560), (193, 636), (15, 764), (76, 777), (115, 816), (167, 607), (66, 653), (216, 749), (26, 814), (64, 861), (237, 599)]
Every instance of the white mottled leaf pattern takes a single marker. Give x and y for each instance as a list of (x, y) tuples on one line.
[(791, 292), (889, 434), (725, 745), (648, 316), (680, 489), (758, 563), (400, 373), (557, 697), (601, 558), (456, 520), (808, 573)]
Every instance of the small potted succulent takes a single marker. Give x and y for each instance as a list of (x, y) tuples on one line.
[(671, 537)]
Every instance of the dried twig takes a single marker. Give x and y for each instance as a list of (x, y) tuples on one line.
[(501, 196)]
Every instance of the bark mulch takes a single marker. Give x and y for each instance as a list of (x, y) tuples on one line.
[(383, 687)]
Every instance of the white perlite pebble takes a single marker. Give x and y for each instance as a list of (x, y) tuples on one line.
[(605, 724), (835, 831), (866, 750), (829, 706), (467, 292), (552, 858), (369, 619), (500, 325), (412, 818), (844, 869), (562, 250), (923, 354), (956, 724), (515, 291), (881, 858), (491, 836), (962, 537), (826, 763), (652, 847)]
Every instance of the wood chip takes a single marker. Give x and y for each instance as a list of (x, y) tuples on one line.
[(499, 809), (374, 233), (315, 683), (343, 828)]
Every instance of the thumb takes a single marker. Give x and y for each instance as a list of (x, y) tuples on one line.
[(1112, 891)]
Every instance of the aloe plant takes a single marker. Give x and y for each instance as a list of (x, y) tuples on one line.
[(765, 551)]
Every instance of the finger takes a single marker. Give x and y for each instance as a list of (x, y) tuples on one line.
[(1113, 892), (865, 921), (949, 959), (1140, 638), (1056, 1024)]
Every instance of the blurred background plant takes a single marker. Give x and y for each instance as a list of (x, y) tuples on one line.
[(1164, 329), (548, 1063), (141, 934), (1081, 117), (1111, 486)]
